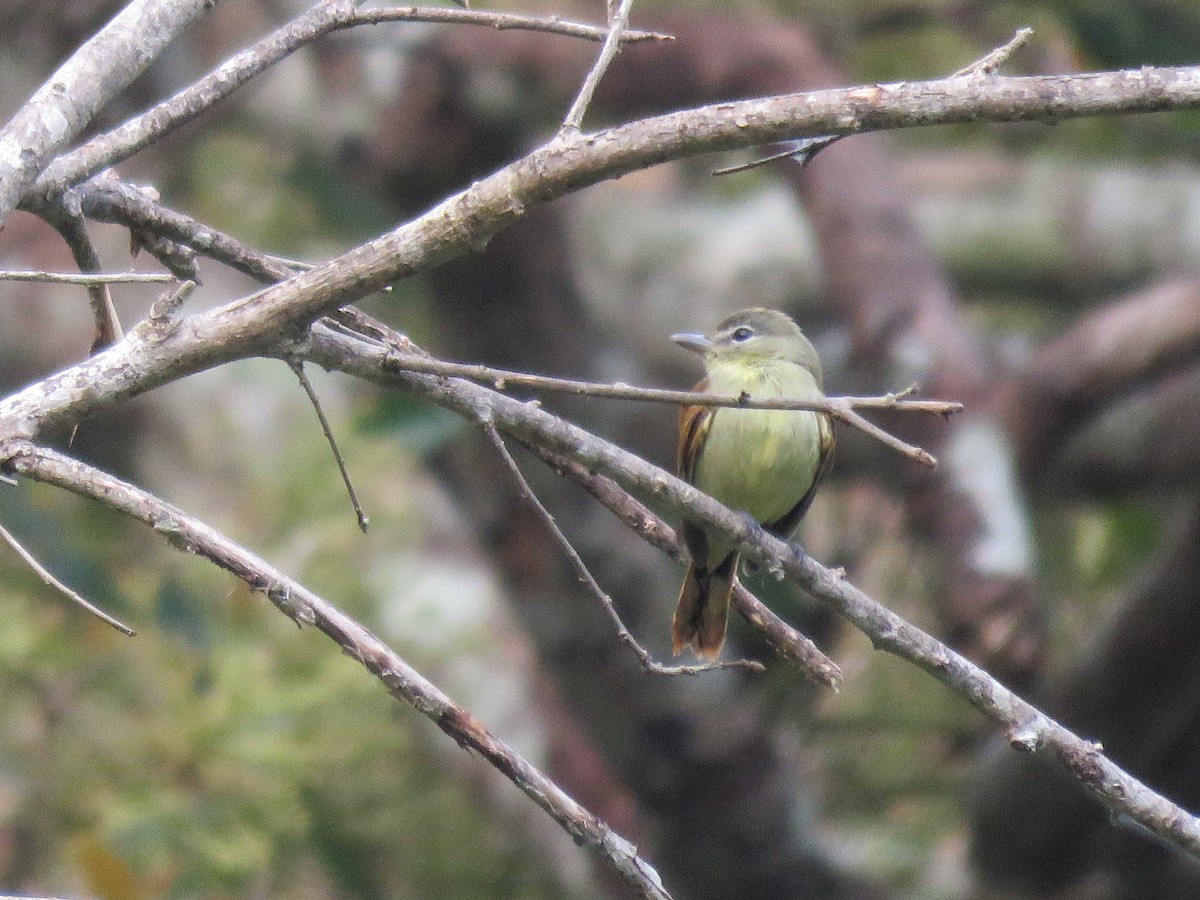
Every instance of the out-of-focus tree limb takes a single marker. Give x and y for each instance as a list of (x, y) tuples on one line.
[(1065, 231), (1107, 354)]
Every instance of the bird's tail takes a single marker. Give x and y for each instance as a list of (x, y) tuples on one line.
[(703, 609)]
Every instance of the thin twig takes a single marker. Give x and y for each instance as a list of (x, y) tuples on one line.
[(617, 24), (327, 430), (501, 22), (307, 608), (87, 279), (71, 226), (804, 150), (588, 580), (323, 18), (987, 65), (843, 412), (841, 408), (785, 640), (53, 582)]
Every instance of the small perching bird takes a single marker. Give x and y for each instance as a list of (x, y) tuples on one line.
[(764, 462)]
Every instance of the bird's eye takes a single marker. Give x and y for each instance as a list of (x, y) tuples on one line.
[(742, 334)]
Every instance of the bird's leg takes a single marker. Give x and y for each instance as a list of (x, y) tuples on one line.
[(749, 566)]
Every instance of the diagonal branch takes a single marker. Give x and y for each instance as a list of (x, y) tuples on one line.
[(323, 18), (992, 61), (1028, 729), (465, 221), (360, 514), (648, 662), (618, 22), (50, 581), (108, 199), (782, 637), (306, 608)]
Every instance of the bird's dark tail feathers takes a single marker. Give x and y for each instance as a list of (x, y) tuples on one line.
[(703, 609)]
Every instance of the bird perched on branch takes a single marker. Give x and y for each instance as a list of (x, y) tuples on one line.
[(766, 463)]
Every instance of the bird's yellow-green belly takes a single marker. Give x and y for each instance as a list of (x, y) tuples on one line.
[(760, 461)]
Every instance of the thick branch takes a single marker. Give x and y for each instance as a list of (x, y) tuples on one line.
[(95, 73), (466, 220), (1027, 728), (306, 608), (323, 18)]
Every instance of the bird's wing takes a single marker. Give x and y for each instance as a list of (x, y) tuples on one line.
[(694, 423), (784, 526)]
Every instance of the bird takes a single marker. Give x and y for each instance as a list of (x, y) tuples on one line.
[(762, 462)]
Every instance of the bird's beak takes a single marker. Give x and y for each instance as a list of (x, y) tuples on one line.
[(697, 343)]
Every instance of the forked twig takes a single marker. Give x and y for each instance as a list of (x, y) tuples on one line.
[(841, 408), (586, 577), (803, 150)]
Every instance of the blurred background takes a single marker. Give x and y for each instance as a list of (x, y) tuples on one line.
[(1046, 276)]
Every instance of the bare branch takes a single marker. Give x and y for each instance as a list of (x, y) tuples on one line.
[(782, 637), (321, 19), (842, 408), (48, 579), (465, 220), (618, 21), (327, 430), (306, 608), (844, 411), (989, 64), (89, 279), (109, 199), (74, 231), (585, 576), (1028, 729), (95, 73), (804, 150), (501, 22), (106, 149)]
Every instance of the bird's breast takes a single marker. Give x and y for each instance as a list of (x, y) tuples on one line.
[(761, 461)]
